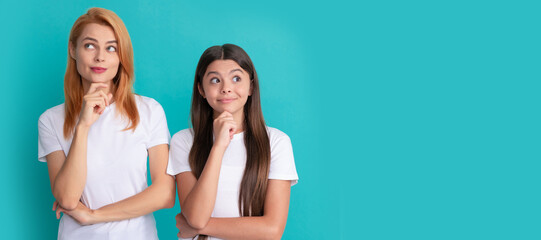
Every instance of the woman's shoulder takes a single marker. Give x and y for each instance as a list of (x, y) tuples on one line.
[(146, 101), (54, 113), (148, 108)]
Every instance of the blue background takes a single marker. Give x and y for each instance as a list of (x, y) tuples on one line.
[(409, 119)]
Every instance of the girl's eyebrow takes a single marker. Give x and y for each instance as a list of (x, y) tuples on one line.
[(213, 72), (235, 70)]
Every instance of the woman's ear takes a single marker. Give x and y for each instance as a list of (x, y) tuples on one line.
[(200, 90), (71, 50)]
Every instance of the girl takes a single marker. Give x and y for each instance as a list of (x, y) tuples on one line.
[(233, 173), (96, 144)]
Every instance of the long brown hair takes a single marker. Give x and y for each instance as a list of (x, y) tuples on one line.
[(253, 187), (122, 82)]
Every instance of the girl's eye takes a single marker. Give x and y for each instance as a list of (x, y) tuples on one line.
[(214, 80), (236, 79), (111, 49), (89, 46)]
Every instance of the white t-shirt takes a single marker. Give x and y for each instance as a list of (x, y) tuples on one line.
[(116, 165), (282, 166)]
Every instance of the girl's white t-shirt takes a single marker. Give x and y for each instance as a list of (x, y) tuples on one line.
[(116, 165), (282, 166)]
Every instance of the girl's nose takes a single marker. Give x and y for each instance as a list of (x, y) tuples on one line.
[(226, 90), (226, 87)]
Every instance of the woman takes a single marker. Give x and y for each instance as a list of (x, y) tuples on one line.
[(96, 144), (234, 174)]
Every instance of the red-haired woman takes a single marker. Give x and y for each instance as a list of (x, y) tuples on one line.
[(97, 142), (234, 174)]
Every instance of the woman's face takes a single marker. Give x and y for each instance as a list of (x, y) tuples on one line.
[(226, 86), (96, 54)]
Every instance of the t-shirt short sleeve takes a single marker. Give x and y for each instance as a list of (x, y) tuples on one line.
[(48, 141), (282, 165), (179, 151), (159, 132)]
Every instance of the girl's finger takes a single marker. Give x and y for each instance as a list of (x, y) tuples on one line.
[(55, 204), (225, 114)]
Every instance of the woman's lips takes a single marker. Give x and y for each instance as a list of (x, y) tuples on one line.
[(98, 69)]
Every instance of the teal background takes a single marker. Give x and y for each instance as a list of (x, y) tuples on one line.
[(409, 119)]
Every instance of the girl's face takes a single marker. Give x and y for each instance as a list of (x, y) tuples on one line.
[(226, 86), (96, 54)]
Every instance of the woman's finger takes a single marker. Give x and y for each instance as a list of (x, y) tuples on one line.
[(58, 211), (94, 86), (104, 96), (110, 97), (96, 102)]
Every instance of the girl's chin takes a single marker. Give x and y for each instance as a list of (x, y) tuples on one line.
[(220, 111)]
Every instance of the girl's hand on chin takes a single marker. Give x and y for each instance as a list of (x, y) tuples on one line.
[(224, 129)]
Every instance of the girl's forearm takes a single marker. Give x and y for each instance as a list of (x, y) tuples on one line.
[(243, 228), (199, 204)]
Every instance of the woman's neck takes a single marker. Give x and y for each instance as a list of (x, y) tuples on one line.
[(86, 86)]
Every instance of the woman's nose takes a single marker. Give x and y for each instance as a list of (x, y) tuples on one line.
[(99, 56)]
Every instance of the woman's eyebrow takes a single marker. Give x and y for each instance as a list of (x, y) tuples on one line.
[(93, 39)]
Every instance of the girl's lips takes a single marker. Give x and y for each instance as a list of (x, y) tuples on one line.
[(98, 69), (228, 100)]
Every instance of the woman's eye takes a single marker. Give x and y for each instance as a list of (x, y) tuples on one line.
[(236, 79), (214, 80), (89, 46), (111, 49)]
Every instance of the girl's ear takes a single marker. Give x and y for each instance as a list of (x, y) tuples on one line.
[(251, 88), (200, 90), (71, 50)]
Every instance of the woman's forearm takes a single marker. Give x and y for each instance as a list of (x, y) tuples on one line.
[(159, 195), (199, 204), (70, 181)]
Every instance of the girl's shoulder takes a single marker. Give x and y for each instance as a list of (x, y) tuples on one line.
[(275, 135), (184, 136)]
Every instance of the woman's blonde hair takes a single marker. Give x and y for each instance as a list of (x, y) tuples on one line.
[(122, 82)]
